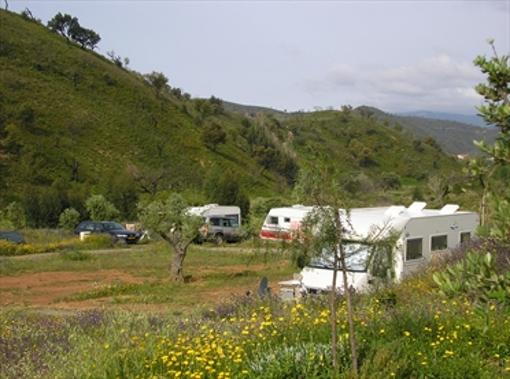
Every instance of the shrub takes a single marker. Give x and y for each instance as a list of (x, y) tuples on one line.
[(477, 277), (390, 180), (11, 249), (100, 209), (97, 241), (69, 218), (15, 214), (213, 135)]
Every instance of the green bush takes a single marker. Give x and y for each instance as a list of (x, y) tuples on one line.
[(100, 209), (15, 214), (69, 218), (477, 277), (97, 242), (11, 249)]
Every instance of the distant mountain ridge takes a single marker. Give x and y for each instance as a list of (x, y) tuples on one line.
[(454, 137), (472, 119)]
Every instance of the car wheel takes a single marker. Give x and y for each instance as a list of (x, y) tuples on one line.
[(218, 239)]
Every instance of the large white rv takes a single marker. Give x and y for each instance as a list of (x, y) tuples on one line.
[(284, 223), (422, 235)]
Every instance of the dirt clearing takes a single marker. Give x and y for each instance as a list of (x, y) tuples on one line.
[(46, 288)]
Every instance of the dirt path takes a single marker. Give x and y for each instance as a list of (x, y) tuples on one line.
[(46, 288)]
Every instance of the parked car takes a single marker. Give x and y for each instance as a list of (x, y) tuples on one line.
[(116, 230), (220, 229), (221, 223), (13, 237)]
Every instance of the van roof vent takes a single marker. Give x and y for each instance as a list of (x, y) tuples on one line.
[(417, 206), (449, 209)]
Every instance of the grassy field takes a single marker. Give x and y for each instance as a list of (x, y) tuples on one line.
[(134, 276), (155, 329)]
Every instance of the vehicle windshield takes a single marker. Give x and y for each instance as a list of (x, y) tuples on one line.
[(112, 226), (356, 258)]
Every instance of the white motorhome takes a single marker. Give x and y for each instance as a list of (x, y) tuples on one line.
[(422, 235), (221, 222), (283, 223)]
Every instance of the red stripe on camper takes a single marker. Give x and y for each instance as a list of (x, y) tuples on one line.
[(275, 235)]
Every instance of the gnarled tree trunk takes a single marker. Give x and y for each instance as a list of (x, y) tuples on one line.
[(176, 266)]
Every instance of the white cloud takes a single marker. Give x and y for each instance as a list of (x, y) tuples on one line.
[(438, 82)]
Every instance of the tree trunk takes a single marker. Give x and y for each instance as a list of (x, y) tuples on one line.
[(176, 267), (332, 304), (348, 299), (482, 208)]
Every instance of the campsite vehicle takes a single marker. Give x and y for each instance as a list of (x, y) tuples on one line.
[(284, 223), (221, 222), (421, 235), (116, 230), (13, 237)]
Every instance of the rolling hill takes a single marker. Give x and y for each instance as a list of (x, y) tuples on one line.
[(462, 118), (74, 123)]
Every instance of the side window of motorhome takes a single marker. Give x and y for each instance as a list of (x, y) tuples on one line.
[(465, 237), (273, 220), (438, 242), (414, 249), (215, 221), (286, 220)]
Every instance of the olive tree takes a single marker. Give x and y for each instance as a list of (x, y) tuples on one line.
[(171, 220)]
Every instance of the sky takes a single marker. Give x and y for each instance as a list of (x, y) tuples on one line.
[(398, 56)]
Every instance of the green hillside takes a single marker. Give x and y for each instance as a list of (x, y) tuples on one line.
[(74, 123), (70, 117)]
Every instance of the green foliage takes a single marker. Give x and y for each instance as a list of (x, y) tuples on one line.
[(42, 205), (157, 80), (14, 214), (495, 111), (213, 135), (11, 249), (500, 219), (95, 242), (390, 181), (477, 277), (222, 187), (170, 219), (100, 209), (101, 121), (69, 218), (70, 28)]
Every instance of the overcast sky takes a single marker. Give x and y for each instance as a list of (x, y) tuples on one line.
[(395, 55)]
